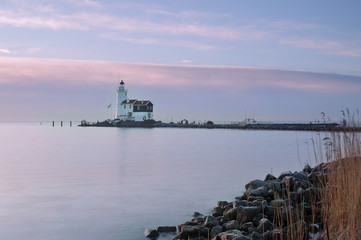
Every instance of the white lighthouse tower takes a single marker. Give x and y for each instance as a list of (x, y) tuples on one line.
[(121, 96)]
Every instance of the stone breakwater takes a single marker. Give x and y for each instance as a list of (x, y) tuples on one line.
[(283, 207)]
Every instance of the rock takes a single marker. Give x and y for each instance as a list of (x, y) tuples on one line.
[(210, 222), (300, 184), (216, 230), (231, 214), (275, 186), (194, 230), (238, 203), (166, 229), (255, 184), (254, 198), (289, 182), (217, 211), (151, 233), (231, 225), (246, 214), (242, 238), (270, 177), (284, 174), (261, 191), (222, 204), (256, 236), (246, 225), (257, 218), (272, 235), (197, 221), (222, 220), (269, 212), (251, 229), (264, 225), (307, 169), (230, 235), (197, 214), (300, 176)]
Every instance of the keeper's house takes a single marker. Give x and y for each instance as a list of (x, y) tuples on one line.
[(132, 109)]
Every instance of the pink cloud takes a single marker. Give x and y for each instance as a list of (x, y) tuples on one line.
[(30, 71)]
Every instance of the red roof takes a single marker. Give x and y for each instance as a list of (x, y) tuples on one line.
[(136, 102), (130, 101), (141, 102)]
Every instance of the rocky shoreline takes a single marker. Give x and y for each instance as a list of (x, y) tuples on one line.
[(258, 126), (283, 207)]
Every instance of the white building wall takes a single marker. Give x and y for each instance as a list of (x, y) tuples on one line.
[(121, 96), (141, 116)]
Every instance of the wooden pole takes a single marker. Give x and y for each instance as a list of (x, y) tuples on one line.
[(53, 123), (61, 123), (71, 124)]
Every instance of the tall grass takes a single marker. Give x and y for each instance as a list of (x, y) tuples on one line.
[(341, 200), (339, 154)]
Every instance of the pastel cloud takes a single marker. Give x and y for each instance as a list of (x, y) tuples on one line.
[(75, 72), (4, 50), (146, 30)]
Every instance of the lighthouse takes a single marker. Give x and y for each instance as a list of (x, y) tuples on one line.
[(132, 109), (121, 97)]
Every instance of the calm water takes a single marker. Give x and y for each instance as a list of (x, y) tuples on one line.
[(111, 183)]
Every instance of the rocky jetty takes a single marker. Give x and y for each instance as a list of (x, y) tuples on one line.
[(283, 207)]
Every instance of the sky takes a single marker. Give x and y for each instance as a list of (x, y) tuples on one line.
[(199, 60)]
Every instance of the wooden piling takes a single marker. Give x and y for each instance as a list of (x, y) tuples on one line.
[(71, 124), (61, 123), (53, 123)]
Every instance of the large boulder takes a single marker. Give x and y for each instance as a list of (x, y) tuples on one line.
[(255, 184), (211, 222), (246, 214), (222, 204), (216, 230), (258, 192), (300, 176), (166, 229), (151, 233), (194, 230), (264, 225), (231, 235), (256, 236), (217, 211), (231, 225), (257, 218), (275, 186), (239, 203), (289, 182), (245, 226), (284, 174), (270, 177), (231, 214)]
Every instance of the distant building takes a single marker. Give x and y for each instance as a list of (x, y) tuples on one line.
[(132, 109)]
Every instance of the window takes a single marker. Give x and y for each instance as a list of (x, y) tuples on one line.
[(130, 106), (124, 106)]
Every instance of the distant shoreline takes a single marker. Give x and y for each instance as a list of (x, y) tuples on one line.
[(256, 126)]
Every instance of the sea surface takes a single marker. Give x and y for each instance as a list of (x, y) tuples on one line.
[(74, 183)]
